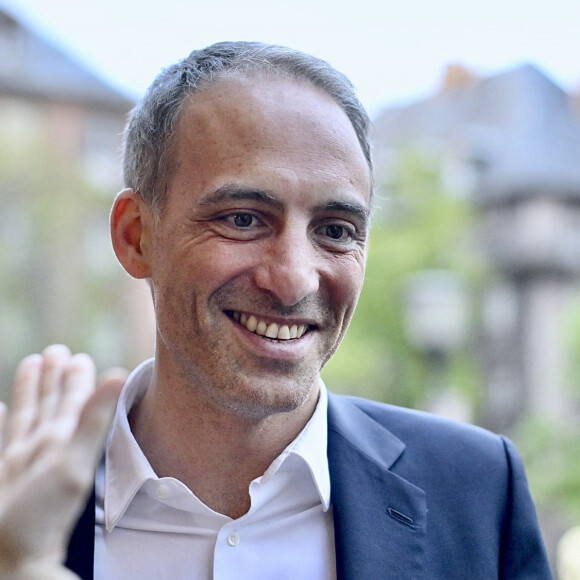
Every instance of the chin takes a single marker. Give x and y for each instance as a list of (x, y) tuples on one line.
[(263, 398)]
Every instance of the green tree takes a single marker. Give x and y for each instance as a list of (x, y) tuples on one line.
[(550, 452)]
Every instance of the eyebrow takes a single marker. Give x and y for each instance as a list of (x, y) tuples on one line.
[(359, 210), (232, 192)]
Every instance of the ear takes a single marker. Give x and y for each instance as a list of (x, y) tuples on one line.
[(131, 221)]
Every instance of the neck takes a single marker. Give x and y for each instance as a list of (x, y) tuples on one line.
[(217, 452)]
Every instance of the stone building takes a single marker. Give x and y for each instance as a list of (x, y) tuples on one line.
[(60, 136), (513, 142), (46, 94)]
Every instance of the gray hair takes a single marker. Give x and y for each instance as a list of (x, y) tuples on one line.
[(151, 125)]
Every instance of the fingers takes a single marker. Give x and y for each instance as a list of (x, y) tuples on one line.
[(78, 379), (25, 397), (86, 446), (112, 373), (56, 361), (54, 398), (51, 390), (41, 382)]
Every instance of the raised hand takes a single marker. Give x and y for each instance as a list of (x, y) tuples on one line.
[(53, 440)]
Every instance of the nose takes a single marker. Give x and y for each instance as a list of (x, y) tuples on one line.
[(288, 269)]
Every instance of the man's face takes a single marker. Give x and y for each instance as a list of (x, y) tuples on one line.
[(257, 260)]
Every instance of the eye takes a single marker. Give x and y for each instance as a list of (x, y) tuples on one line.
[(242, 219), (241, 225), (336, 232), (338, 235)]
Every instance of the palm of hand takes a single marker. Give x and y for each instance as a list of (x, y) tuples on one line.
[(54, 435)]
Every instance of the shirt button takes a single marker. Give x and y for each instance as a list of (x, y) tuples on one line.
[(233, 539), (163, 491)]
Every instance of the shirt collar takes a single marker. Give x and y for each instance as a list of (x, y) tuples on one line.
[(311, 445), (127, 469)]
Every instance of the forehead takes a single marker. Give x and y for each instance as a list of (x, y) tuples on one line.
[(240, 128)]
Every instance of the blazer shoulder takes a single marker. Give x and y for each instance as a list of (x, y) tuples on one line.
[(405, 419), (476, 494), (435, 437)]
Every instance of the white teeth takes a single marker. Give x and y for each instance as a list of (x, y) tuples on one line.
[(261, 328), (271, 330), (252, 324)]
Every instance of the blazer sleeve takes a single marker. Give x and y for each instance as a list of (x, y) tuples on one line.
[(523, 553), (81, 549)]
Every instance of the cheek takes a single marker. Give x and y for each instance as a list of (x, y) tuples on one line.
[(224, 262), (346, 284), (202, 270)]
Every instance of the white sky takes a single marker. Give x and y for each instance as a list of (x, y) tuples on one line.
[(392, 51)]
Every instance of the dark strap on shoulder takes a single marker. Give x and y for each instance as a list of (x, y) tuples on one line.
[(81, 549)]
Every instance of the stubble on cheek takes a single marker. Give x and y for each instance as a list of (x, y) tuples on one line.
[(211, 361)]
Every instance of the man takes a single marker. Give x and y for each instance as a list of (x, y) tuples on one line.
[(247, 206)]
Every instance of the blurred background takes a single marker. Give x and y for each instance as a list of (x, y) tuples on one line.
[(471, 306)]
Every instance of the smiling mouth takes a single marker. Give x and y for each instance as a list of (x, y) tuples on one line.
[(267, 328)]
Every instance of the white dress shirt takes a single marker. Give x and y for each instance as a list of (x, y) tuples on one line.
[(155, 528)]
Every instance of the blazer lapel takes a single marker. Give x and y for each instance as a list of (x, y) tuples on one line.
[(379, 517)]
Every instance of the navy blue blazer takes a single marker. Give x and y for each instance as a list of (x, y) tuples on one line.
[(414, 496)]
